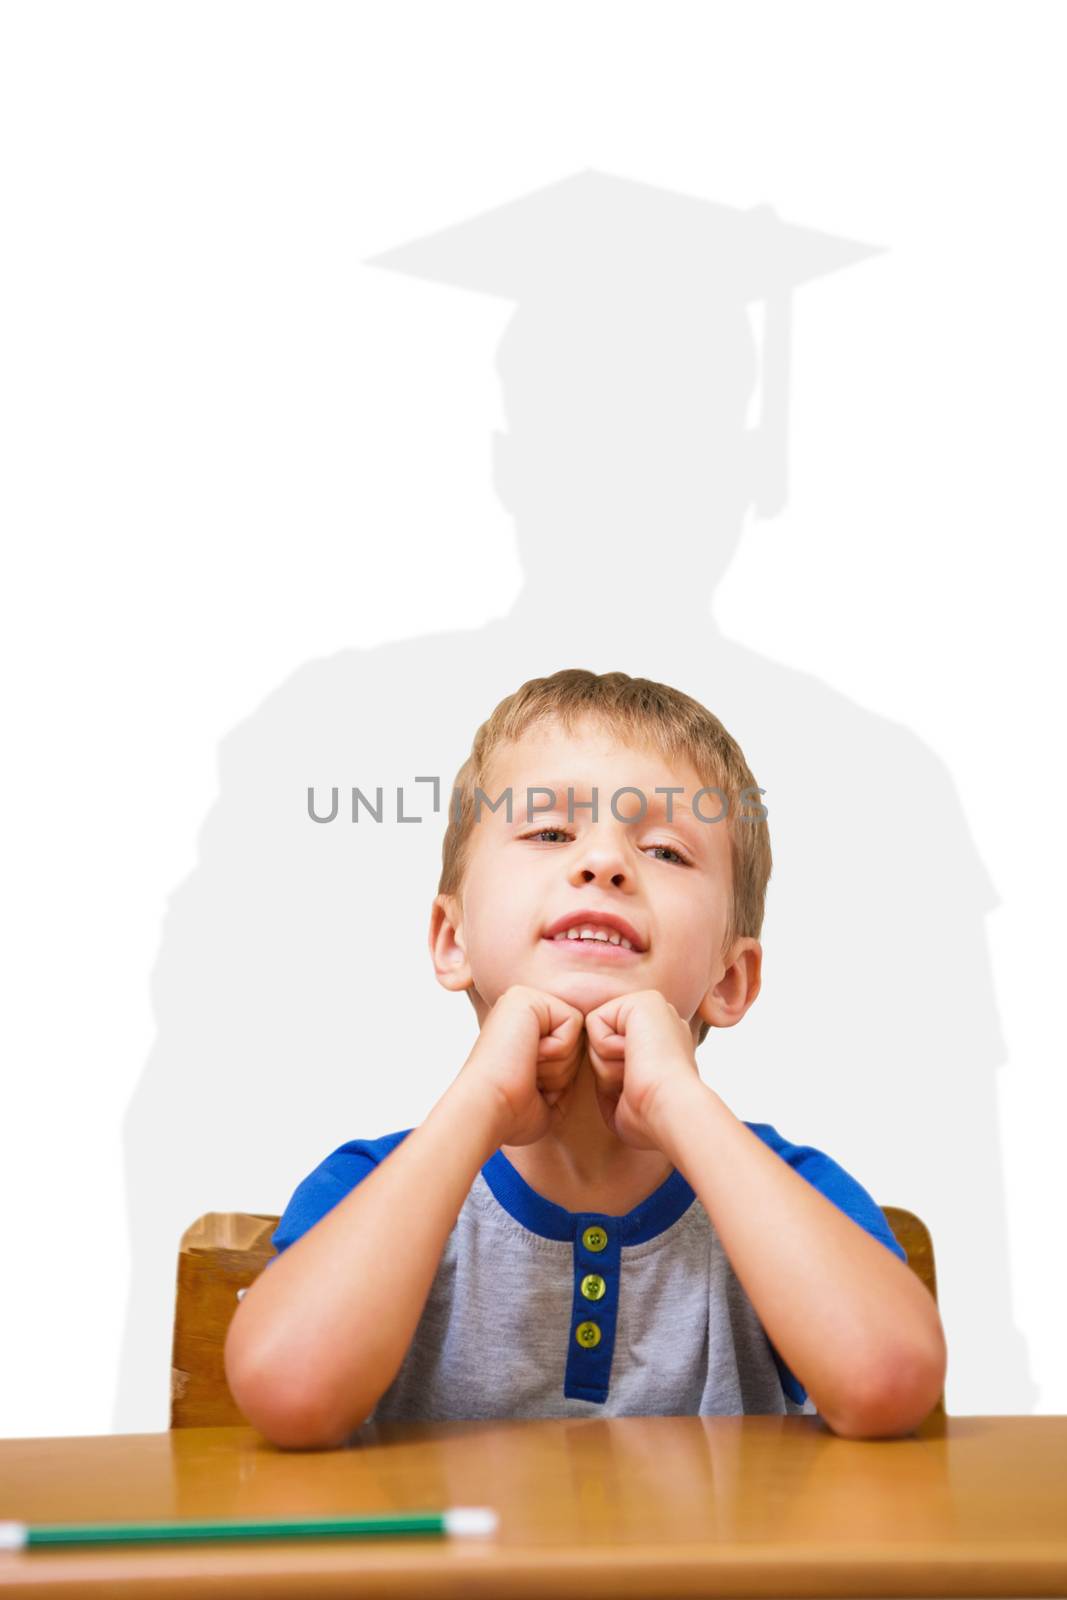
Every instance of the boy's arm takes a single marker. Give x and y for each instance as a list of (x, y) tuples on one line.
[(853, 1322), (319, 1337)]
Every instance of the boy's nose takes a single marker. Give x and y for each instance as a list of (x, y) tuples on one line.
[(601, 863)]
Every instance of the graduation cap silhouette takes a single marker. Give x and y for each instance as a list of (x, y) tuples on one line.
[(617, 248)]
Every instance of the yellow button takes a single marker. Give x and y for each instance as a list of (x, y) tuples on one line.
[(593, 1286), (587, 1334), (594, 1238)]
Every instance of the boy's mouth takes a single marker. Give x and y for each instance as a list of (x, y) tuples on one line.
[(593, 949), (596, 932)]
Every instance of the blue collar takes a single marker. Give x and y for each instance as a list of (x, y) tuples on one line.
[(657, 1212)]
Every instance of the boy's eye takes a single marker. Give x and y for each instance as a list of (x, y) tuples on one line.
[(682, 861)]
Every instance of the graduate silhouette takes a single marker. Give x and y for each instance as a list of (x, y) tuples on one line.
[(293, 970)]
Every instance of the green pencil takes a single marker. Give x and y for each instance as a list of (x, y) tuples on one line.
[(461, 1520)]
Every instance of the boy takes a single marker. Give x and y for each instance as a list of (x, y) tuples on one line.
[(581, 1227)]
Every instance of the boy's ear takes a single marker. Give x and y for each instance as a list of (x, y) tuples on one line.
[(726, 1002), (446, 941)]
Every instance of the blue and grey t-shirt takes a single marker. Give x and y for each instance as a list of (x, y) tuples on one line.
[(536, 1311)]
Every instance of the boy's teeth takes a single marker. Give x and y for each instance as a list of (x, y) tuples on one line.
[(602, 934)]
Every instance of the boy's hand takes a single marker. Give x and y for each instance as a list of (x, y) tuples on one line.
[(526, 1054), (638, 1048)]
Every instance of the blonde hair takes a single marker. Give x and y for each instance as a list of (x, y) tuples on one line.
[(643, 713)]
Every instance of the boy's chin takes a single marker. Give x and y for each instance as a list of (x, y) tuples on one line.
[(567, 978), (587, 990)]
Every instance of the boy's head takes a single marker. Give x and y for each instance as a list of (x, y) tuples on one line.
[(692, 889)]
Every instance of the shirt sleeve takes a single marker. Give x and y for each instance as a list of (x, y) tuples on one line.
[(824, 1174), (328, 1184)]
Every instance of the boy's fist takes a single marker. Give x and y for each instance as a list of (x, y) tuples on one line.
[(641, 1052), (526, 1055)]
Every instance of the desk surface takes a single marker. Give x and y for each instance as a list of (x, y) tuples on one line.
[(627, 1506)]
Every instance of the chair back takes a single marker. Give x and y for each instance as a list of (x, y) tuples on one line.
[(223, 1252), (220, 1255)]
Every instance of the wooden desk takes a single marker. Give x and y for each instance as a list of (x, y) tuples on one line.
[(632, 1506)]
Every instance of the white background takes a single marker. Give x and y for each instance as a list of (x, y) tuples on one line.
[(230, 448)]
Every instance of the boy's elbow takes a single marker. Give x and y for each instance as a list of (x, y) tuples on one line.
[(287, 1414), (303, 1431), (289, 1420), (898, 1400)]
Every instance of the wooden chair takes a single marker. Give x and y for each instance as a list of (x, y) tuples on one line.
[(219, 1257), (225, 1251)]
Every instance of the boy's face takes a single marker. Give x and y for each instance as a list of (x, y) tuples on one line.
[(669, 880)]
